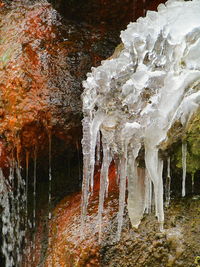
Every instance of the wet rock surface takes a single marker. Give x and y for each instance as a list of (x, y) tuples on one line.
[(177, 245), (43, 60), (38, 93)]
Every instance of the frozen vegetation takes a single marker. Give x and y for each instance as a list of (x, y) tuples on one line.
[(133, 100)]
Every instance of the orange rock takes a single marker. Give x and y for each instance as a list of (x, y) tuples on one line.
[(70, 245)]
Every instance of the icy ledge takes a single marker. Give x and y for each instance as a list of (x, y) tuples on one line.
[(133, 100)]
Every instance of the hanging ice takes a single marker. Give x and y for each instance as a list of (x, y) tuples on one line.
[(168, 184), (184, 166), (134, 99)]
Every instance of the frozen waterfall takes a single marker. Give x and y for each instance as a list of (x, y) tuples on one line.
[(134, 99)]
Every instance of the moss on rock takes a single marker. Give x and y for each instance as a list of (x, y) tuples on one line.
[(192, 137)]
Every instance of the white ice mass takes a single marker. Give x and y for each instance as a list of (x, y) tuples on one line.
[(134, 99)]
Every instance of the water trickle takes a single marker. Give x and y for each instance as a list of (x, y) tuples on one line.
[(26, 247), (136, 98), (50, 177), (34, 201), (184, 166), (50, 193), (21, 202), (27, 184), (7, 228), (13, 203), (79, 162), (144, 7)]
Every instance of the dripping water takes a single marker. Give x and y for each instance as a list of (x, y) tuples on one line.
[(184, 166), (26, 251), (144, 7), (27, 182), (13, 203), (34, 202), (193, 183), (79, 163), (21, 203), (50, 177), (7, 220), (50, 193)]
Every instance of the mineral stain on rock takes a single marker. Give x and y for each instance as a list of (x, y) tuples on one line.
[(43, 59)]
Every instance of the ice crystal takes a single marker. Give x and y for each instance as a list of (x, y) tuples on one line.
[(134, 99)]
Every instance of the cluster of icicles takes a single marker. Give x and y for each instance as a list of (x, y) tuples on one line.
[(131, 101)]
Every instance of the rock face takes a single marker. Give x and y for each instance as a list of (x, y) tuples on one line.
[(43, 60), (109, 14), (177, 245), (72, 245), (38, 92)]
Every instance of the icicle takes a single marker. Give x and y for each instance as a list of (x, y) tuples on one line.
[(103, 185), (79, 164), (122, 193), (138, 96), (136, 187), (155, 167), (90, 132), (168, 184), (159, 196), (95, 125), (86, 166), (193, 183), (98, 149), (136, 196), (148, 193), (184, 166)]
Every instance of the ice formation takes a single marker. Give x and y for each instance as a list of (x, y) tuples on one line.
[(133, 100)]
